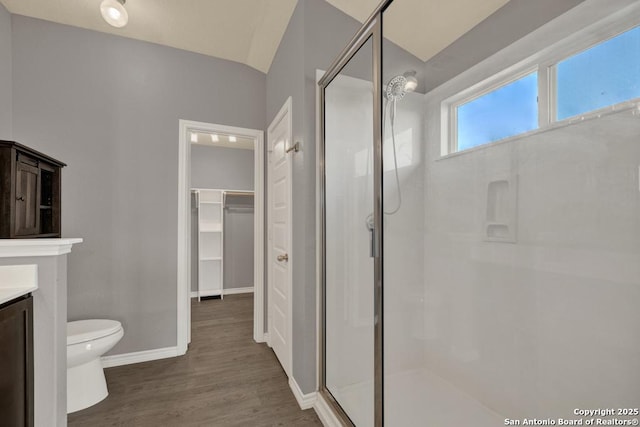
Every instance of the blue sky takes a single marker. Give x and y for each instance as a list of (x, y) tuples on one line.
[(509, 110), (606, 74)]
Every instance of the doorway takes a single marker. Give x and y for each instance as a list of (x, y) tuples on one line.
[(216, 135)]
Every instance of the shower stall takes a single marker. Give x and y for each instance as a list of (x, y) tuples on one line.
[(480, 216)]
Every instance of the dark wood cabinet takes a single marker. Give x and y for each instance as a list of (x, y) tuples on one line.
[(29, 192), (16, 363)]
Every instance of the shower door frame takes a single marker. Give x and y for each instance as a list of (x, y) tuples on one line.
[(371, 29)]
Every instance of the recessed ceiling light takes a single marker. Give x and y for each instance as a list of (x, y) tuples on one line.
[(194, 137), (232, 138), (214, 138), (114, 13)]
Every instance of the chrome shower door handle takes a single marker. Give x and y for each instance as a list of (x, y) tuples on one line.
[(284, 257), (373, 240)]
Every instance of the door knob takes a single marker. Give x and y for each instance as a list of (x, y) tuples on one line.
[(21, 198), (284, 257)]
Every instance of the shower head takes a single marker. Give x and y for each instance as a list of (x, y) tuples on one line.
[(412, 81), (399, 86)]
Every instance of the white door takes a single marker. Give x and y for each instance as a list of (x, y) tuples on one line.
[(279, 262)]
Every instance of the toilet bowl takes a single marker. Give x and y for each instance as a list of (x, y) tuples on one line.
[(87, 340)]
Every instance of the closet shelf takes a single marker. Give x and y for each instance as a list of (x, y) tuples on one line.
[(210, 242), (211, 230)]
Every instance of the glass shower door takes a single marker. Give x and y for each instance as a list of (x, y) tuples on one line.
[(511, 157), (348, 219)]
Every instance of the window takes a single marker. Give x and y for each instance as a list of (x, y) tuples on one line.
[(509, 110), (571, 84), (604, 75)]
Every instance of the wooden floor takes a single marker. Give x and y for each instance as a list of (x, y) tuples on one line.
[(225, 379)]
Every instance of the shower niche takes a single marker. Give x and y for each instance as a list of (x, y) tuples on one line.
[(501, 216)]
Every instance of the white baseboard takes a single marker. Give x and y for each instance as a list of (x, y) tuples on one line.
[(232, 291), (138, 357), (306, 401), (261, 338), (326, 415), (215, 293)]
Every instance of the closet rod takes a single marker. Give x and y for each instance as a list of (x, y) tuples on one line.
[(239, 209), (238, 193), (234, 193)]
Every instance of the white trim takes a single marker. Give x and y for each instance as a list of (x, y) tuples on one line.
[(493, 83), (631, 106), (319, 74), (285, 112), (13, 248), (210, 293), (233, 291), (326, 415), (194, 294), (305, 401), (259, 188), (184, 226), (138, 357)]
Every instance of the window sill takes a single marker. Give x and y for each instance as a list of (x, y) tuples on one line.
[(632, 106)]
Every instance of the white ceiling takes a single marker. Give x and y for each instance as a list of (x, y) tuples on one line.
[(424, 27), (249, 31), (245, 31), (202, 138)]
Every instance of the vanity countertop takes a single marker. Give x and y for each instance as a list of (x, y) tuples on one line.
[(17, 280), (8, 294)]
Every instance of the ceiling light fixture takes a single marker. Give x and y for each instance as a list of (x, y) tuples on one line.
[(214, 138), (114, 13), (194, 137), (232, 139)]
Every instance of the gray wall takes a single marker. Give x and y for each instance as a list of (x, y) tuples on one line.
[(109, 107), (220, 167), (511, 22), (233, 169), (238, 248), (315, 36), (6, 84)]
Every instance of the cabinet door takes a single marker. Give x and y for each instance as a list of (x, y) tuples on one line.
[(27, 198), (16, 362)]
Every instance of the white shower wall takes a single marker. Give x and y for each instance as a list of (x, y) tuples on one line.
[(403, 237), (536, 319), (548, 323)]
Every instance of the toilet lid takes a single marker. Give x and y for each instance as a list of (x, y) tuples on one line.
[(86, 330)]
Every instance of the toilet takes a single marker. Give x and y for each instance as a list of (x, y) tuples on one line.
[(87, 340)]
